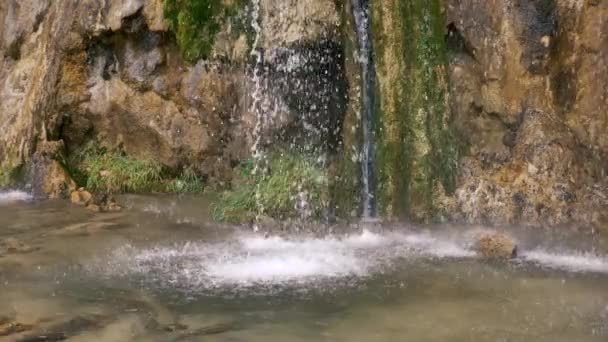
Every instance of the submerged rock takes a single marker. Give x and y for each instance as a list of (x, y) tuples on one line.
[(10, 327), (494, 245)]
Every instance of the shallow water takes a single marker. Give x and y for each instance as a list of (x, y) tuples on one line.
[(160, 271)]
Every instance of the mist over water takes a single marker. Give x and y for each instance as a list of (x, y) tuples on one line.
[(253, 262)]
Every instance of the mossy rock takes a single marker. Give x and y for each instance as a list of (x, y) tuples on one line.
[(196, 23)]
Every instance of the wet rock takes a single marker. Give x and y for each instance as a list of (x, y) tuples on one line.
[(81, 197), (494, 245), (99, 202), (49, 177)]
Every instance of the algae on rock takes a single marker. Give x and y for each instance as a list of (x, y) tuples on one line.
[(415, 146)]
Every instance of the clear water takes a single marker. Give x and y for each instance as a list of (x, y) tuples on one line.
[(160, 271)]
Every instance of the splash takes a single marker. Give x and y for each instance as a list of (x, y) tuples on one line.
[(14, 196), (248, 261), (567, 261)]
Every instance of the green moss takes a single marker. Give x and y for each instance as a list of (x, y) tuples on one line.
[(416, 147), (197, 22), (274, 193), (113, 171)]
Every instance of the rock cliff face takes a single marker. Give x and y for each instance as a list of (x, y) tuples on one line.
[(111, 72), (527, 93), (108, 71)]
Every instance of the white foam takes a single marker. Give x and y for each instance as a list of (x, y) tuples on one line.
[(568, 261), (14, 196), (253, 260)]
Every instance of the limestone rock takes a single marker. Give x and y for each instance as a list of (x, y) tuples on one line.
[(285, 22), (546, 180), (528, 83), (493, 245)]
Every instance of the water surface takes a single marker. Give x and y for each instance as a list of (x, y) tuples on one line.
[(160, 271)]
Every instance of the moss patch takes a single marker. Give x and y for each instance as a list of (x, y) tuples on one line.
[(416, 148), (197, 22), (278, 192)]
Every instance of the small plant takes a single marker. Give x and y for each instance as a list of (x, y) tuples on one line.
[(292, 186)]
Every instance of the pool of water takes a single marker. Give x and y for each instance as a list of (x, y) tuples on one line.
[(161, 271)]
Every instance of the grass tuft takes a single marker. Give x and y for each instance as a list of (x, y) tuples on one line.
[(101, 170)]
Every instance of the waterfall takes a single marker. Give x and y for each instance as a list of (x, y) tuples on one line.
[(257, 79), (361, 14)]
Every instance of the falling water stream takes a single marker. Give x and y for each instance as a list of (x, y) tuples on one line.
[(361, 14)]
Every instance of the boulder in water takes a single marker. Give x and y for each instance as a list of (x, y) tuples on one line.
[(494, 245), (81, 197)]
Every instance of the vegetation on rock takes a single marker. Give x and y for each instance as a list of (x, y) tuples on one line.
[(416, 149), (103, 170), (197, 22), (292, 186)]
